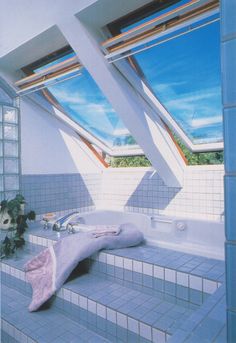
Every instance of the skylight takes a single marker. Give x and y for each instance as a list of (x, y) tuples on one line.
[(184, 74), (81, 99), (176, 52)]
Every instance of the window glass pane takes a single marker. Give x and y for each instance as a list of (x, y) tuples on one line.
[(10, 132), (184, 74), (4, 97), (1, 183), (82, 101), (1, 165), (1, 149), (11, 166), (1, 196), (11, 182), (0, 131), (155, 15), (11, 149), (10, 114)]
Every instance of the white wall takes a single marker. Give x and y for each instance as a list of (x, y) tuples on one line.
[(50, 147), (140, 190), (32, 17)]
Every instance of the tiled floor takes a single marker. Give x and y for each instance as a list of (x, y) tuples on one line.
[(141, 294), (45, 326)]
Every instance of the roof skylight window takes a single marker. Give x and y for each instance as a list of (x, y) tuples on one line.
[(82, 100), (69, 86), (184, 74), (176, 52)]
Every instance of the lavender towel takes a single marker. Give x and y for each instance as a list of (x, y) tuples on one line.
[(48, 271)]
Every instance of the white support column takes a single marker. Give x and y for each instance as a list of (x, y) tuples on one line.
[(135, 113)]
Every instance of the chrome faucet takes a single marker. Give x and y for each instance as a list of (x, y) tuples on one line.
[(70, 227), (62, 223)]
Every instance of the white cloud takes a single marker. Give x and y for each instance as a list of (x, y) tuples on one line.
[(65, 96), (121, 132), (202, 122)]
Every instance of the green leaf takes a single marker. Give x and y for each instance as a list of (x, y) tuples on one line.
[(31, 215)]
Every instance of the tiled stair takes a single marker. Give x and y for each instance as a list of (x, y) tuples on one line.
[(140, 294)]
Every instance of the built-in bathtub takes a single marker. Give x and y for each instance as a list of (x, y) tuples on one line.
[(201, 237)]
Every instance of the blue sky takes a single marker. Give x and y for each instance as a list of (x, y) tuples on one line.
[(84, 102), (184, 74)]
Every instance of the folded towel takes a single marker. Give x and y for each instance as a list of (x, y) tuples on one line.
[(106, 230)]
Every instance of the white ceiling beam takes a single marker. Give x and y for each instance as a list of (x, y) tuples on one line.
[(135, 113)]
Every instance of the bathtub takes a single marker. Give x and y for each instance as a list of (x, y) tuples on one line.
[(200, 237)]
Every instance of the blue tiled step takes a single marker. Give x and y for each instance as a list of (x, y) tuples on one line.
[(151, 261), (68, 298), (144, 275), (131, 279), (45, 326), (92, 298)]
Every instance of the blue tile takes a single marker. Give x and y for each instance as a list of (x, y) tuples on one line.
[(231, 275), (137, 278), (170, 288), (147, 281), (182, 292), (111, 328), (101, 323), (208, 329), (158, 284), (122, 333), (195, 297), (228, 15), (228, 52), (230, 213), (119, 273), (110, 270), (128, 275), (231, 326), (132, 337)]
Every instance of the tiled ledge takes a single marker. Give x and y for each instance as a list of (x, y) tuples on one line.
[(68, 297), (107, 307), (206, 274), (208, 324), (136, 264), (14, 333), (51, 326)]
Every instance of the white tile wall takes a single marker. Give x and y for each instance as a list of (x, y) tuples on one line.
[(136, 189)]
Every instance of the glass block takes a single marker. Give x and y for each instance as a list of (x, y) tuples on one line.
[(1, 196), (1, 165), (11, 149), (1, 149), (11, 166), (11, 132), (11, 195), (1, 183), (10, 115), (11, 182), (4, 97)]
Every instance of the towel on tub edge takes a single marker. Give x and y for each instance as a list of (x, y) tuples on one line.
[(48, 271)]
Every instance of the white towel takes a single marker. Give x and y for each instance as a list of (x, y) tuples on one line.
[(105, 230)]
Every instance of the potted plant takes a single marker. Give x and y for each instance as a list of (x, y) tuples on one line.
[(13, 221)]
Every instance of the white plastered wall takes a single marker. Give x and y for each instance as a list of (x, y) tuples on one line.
[(50, 147)]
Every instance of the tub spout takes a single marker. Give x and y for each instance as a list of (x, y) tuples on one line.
[(61, 223)]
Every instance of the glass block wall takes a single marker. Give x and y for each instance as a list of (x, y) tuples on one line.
[(9, 147)]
